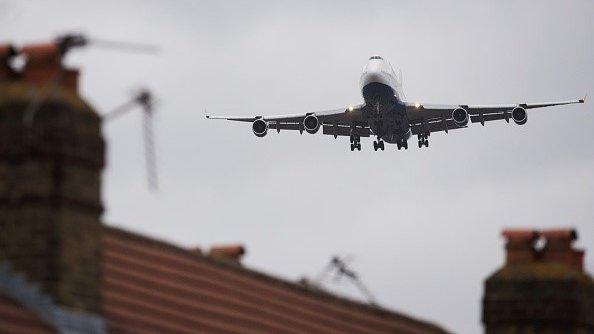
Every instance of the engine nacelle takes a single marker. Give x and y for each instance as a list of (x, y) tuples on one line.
[(460, 116), (260, 127), (311, 124), (519, 115)]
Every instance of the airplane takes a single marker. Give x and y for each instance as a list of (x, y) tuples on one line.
[(386, 114)]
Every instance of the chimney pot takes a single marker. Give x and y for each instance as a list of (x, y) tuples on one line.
[(44, 64), (7, 51), (559, 248), (230, 253), (520, 245)]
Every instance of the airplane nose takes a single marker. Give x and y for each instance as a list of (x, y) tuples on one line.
[(372, 77)]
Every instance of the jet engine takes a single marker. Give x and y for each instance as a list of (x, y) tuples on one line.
[(260, 127), (311, 124), (460, 116), (519, 115)]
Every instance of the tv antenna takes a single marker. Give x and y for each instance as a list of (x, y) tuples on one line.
[(340, 267), (145, 100), (66, 42)]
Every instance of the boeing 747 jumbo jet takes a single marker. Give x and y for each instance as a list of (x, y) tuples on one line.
[(386, 115)]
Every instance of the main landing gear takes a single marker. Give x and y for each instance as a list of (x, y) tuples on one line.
[(355, 143), (402, 143), (423, 139), (379, 144)]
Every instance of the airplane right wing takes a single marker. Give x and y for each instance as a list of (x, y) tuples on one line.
[(427, 118)]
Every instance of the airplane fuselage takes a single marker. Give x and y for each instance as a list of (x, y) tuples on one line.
[(384, 109)]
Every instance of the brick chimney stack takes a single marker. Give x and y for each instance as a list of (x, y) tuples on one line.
[(540, 289), (51, 158)]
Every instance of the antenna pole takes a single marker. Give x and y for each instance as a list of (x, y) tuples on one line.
[(145, 100), (69, 41), (125, 46), (364, 290), (149, 146), (119, 111), (341, 270)]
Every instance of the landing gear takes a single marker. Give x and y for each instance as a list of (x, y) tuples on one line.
[(378, 145), (423, 139), (402, 143), (355, 143)]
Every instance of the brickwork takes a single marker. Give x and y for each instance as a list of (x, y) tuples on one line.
[(539, 290), (50, 176)]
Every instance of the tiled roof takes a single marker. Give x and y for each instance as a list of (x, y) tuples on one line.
[(154, 287), (16, 319), (25, 308)]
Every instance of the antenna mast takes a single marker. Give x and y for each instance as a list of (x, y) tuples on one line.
[(143, 98), (341, 269)]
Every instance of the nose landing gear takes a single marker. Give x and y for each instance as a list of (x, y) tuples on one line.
[(379, 144), (402, 143)]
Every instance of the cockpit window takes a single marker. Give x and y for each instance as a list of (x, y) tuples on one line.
[(375, 57)]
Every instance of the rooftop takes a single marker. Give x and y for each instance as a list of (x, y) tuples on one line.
[(153, 284)]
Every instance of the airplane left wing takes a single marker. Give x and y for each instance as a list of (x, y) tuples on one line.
[(427, 118), (337, 122)]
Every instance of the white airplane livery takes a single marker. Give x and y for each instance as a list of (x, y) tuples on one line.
[(387, 115)]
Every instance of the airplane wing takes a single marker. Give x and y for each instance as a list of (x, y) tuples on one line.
[(425, 118), (336, 122)]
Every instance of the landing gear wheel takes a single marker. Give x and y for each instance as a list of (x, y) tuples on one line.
[(355, 142), (423, 139), (381, 145), (375, 145)]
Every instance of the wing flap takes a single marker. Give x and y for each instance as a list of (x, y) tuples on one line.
[(434, 126), (284, 126), (489, 117), (342, 130)]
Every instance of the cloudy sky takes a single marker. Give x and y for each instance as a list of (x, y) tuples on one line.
[(423, 225)]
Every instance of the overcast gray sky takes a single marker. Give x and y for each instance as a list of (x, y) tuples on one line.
[(424, 224)]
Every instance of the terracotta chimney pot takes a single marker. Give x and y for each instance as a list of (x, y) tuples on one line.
[(44, 65), (232, 253), (559, 248), (7, 51), (520, 245)]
